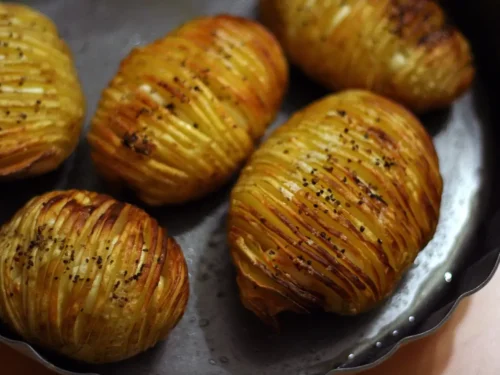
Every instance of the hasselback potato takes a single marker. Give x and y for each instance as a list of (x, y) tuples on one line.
[(90, 277), (333, 207), (183, 113), (41, 102), (402, 49)]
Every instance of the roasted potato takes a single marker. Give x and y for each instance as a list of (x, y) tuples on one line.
[(41, 102), (184, 112), (334, 207), (402, 49), (89, 277)]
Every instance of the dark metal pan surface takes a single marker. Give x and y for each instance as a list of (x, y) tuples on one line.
[(217, 335)]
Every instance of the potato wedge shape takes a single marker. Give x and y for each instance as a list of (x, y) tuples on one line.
[(183, 113), (89, 277), (41, 101), (333, 208), (402, 49)]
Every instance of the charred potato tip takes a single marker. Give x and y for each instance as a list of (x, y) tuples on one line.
[(334, 207), (90, 277), (402, 49), (184, 112), (41, 101)]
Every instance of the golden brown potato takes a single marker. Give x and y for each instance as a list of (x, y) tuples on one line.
[(183, 113), (89, 277), (403, 49), (41, 102), (333, 208)]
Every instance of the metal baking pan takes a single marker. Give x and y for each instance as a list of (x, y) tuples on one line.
[(217, 335)]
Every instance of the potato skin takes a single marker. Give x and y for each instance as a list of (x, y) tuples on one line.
[(334, 207), (90, 277), (183, 113), (41, 101), (402, 49)]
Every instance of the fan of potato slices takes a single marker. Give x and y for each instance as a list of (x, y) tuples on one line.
[(327, 214)]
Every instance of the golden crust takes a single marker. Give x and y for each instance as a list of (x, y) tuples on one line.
[(41, 101), (333, 207), (402, 49), (90, 277), (183, 113)]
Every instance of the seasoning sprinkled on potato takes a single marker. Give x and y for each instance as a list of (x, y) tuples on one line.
[(89, 277), (329, 219), (41, 101), (183, 113)]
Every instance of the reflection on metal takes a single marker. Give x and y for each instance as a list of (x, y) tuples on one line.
[(448, 277)]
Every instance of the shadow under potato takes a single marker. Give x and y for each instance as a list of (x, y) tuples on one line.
[(435, 121), (179, 219), (302, 91), (15, 194)]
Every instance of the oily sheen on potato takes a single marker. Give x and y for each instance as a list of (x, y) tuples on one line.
[(184, 112), (41, 102), (334, 207), (89, 277), (402, 49)]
